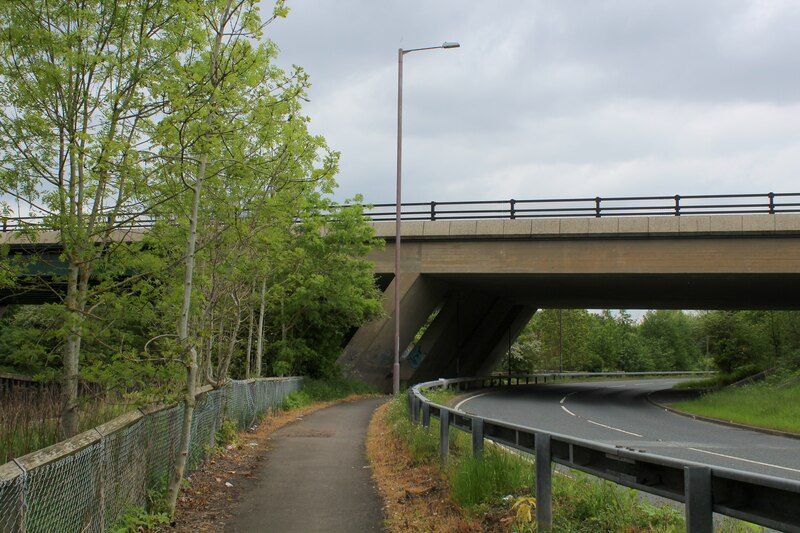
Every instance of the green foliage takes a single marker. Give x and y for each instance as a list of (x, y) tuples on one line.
[(137, 520), (771, 403), (584, 504), (423, 443), (228, 433), (580, 503), (323, 390), (735, 342), (490, 478)]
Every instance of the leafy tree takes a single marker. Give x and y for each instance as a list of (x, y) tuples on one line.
[(671, 339), (74, 81)]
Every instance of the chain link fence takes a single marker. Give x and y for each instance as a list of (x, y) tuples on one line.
[(88, 482)]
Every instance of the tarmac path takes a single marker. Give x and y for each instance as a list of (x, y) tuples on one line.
[(315, 477)]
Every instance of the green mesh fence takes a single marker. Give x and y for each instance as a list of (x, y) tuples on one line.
[(89, 485)]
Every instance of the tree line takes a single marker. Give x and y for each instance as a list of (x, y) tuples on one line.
[(171, 111), (733, 342)]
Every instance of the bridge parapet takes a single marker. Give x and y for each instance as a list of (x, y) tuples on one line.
[(548, 228)]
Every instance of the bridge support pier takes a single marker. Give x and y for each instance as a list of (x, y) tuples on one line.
[(369, 355), (469, 336), (470, 333)]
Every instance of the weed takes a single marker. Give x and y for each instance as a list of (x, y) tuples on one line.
[(228, 433), (486, 479), (137, 520), (322, 390)]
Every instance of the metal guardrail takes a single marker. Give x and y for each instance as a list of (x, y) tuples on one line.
[(760, 499), (598, 207)]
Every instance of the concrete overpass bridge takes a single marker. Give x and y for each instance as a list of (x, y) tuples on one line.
[(479, 270), (480, 280)]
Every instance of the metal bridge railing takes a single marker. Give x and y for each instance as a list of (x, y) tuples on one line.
[(765, 500), (597, 207), (622, 206)]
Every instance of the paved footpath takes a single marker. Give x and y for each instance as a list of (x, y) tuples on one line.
[(315, 477)]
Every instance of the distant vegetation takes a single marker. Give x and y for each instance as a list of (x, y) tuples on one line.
[(737, 343)]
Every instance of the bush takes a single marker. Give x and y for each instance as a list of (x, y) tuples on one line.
[(324, 390)]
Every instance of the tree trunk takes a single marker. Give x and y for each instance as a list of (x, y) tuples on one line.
[(72, 348), (249, 343), (260, 343), (190, 353), (224, 364)]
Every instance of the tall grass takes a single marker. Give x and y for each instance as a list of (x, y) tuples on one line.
[(483, 485), (490, 478), (323, 390), (771, 403), (30, 419)]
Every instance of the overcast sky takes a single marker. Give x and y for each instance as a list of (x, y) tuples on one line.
[(553, 99)]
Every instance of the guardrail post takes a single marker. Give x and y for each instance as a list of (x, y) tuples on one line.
[(513, 210), (426, 415), (433, 210), (544, 483), (597, 207), (677, 205), (699, 507), (444, 435), (477, 437), (771, 197)]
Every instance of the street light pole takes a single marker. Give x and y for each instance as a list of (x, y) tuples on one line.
[(398, 210)]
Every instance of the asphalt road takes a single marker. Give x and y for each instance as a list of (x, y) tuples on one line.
[(618, 413)]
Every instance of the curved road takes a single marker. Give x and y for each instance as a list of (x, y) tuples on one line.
[(618, 413)]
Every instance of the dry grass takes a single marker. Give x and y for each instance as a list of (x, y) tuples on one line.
[(416, 497)]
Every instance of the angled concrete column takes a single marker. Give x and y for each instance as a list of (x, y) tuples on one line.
[(370, 353), (468, 337), (437, 355), (516, 319)]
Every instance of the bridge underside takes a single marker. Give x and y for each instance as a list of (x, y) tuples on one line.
[(477, 295)]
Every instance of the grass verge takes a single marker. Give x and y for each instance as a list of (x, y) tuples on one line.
[(496, 492), (770, 404)]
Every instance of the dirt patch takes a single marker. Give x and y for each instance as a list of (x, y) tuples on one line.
[(416, 497), (213, 491)]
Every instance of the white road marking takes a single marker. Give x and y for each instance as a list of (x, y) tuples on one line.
[(745, 460), (465, 400), (567, 396), (568, 411), (613, 428)]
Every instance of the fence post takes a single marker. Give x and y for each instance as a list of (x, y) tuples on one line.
[(433, 210), (444, 435), (544, 483), (771, 203), (597, 207), (697, 493), (677, 205), (426, 415), (513, 209), (477, 437)]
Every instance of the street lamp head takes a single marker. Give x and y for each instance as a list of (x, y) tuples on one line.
[(448, 44)]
